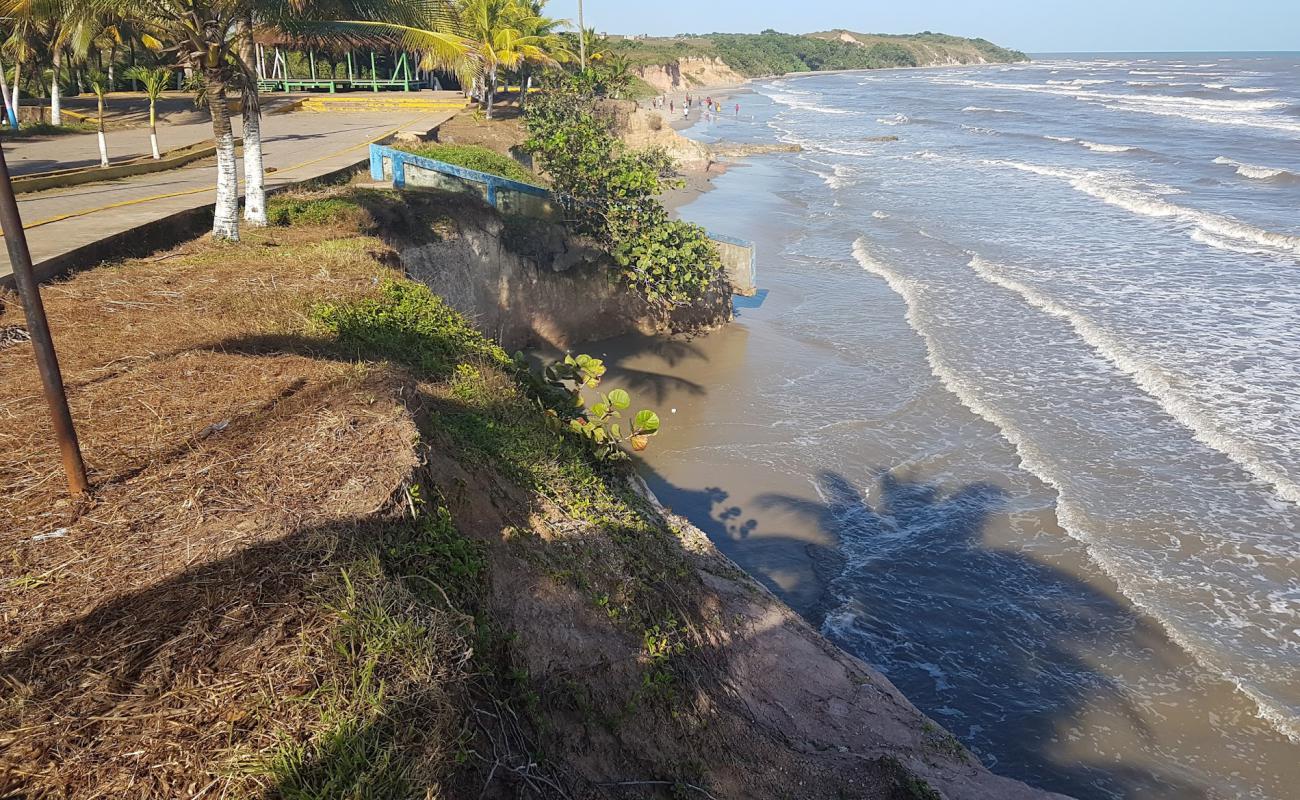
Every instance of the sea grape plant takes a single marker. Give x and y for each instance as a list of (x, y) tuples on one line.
[(610, 192), (602, 423)]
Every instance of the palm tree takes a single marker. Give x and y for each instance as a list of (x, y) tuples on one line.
[(200, 34), (42, 21), (154, 81), (502, 30), (99, 85), (547, 28)]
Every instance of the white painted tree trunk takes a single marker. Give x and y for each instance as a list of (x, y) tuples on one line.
[(153, 129), (11, 113), (18, 88), (225, 217), (254, 166), (56, 106), (103, 142)]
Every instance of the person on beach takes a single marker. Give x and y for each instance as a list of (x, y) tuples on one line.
[(737, 110), (686, 112), (671, 108)]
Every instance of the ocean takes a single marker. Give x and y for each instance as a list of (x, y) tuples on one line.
[(1016, 418)]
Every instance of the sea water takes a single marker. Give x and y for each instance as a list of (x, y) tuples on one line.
[(1019, 418)]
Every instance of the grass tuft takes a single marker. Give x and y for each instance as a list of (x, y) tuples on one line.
[(409, 325)]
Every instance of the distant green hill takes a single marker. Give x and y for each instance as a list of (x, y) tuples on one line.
[(773, 53)]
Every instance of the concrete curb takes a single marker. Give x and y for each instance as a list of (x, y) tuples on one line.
[(63, 178)]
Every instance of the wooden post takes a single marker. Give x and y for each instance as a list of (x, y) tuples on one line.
[(374, 76), (38, 329), (351, 77), (311, 56)]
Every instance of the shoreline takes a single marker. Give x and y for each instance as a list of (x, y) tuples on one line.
[(715, 365), (697, 182)]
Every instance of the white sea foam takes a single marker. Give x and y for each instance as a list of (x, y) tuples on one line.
[(1060, 138), (1220, 111), (895, 119), (1152, 380), (1108, 148), (1069, 515), (796, 101), (987, 110), (1256, 172), (1125, 195), (878, 214), (1250, 89), (1211, 240)]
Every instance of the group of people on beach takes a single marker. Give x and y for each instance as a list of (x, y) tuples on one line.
[(705, 104)]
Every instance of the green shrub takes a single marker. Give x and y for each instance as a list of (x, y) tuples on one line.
[(472, 156), (611, 193)]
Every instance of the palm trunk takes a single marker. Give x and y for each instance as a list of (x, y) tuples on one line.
[(523, 93), (103, 143), (18, 88), (490, 91), (11, 113), (153, 127), (56, 106), (225, 217), (254, 166)]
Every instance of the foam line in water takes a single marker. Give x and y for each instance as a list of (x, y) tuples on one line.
[(1068, 514), (1150, 379), (1108, 148), (1256, 172), (1131, 199), (795, 100)]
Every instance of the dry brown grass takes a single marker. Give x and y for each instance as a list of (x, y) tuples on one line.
[(157, 632)]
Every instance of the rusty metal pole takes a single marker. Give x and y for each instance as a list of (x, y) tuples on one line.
[(20, 258)]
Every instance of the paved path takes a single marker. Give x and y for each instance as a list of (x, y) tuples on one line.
[(298, 147)]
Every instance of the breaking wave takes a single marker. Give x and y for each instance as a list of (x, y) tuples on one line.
[(1124, 195), (1256, 172)]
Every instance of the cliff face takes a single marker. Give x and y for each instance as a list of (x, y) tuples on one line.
[(640, 128), (527, 283), (684, 74)]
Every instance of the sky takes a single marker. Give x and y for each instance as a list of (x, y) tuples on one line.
[(1035, 26)]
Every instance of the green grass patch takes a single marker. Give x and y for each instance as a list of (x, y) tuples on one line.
[(407, 324), (284, 210), (391, 717), (637, 89), (473, 156)]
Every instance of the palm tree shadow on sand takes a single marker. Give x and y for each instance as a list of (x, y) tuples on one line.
[(993, 644)]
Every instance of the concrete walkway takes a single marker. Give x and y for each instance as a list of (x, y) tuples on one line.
[(299, 147)]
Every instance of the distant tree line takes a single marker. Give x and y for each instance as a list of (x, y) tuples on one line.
[(775, 53)]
